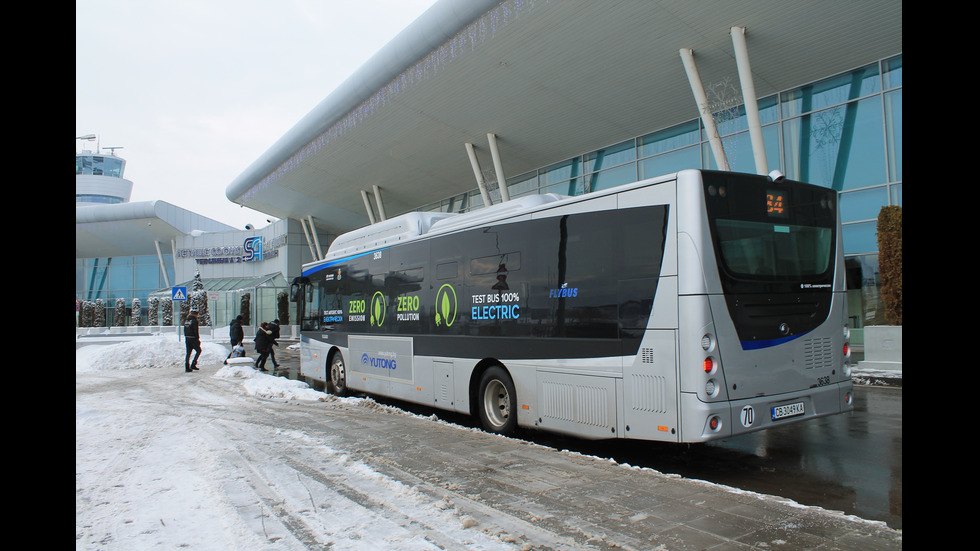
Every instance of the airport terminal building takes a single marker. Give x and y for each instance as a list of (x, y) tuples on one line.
[(136, 253), (481, 101)]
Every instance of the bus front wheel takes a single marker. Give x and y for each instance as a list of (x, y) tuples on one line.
[(338, 374), (497, 401)]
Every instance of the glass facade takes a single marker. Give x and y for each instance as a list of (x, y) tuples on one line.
[(139, 277), (126, 277), (225, 298), (843, 132), (99, 165), (107, 199)]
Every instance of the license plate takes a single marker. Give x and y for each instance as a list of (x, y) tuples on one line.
[(788, 410)]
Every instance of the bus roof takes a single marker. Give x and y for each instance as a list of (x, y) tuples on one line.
[(413, 225)]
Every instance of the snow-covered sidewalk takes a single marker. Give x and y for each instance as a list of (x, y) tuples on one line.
[(191, 471), (231, 458)]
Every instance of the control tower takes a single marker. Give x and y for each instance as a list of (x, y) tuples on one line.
[(99, 178)]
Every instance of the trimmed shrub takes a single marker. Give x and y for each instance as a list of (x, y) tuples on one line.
[(890, 262)]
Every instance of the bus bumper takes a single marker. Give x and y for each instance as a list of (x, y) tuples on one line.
[(705, 421)]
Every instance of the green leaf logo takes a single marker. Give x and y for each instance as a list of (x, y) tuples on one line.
[(446, 305), (378, 308)]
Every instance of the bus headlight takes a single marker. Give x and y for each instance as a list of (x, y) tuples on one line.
[(711, 388)]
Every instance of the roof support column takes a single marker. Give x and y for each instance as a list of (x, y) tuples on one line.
[(173, 251), (367, 206), (316, 240), (163, 268), (687, 56), (381, 205), (498, 167), (751, 103), (478, 174), (309, 240)]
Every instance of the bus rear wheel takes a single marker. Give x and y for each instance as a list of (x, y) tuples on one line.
[(338, 374), (497, 400)]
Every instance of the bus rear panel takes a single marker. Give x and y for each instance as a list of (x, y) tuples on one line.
[(766, 326)]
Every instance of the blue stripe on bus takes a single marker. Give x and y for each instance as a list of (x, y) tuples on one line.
[(758, 345), (319, 267)]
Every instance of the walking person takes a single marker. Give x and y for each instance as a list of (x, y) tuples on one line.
[(274, 333), (263, 345), (192, 341), (237, 335)]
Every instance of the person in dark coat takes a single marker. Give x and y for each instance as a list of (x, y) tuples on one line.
[(274, 333), (192, 340), (263, 345), (236, 333)]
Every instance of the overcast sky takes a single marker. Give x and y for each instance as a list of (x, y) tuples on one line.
[(195, 91)]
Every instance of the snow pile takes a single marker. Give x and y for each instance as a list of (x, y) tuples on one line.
[(876, 377), (264, 385), (144, 353), (168, 353)]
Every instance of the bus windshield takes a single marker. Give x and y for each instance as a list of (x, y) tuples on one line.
[(774, 251), (771, 232)]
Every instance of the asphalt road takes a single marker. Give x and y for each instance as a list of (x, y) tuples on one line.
[(850, 463)]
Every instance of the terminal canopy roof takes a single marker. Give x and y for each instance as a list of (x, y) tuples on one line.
[(127, 229), (550, 79), (231, 284)]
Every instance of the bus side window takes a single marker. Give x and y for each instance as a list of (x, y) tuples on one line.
[(444, 296), (447, 270), (405, 291)]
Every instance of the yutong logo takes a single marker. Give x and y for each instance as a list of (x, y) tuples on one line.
[(385, 360)]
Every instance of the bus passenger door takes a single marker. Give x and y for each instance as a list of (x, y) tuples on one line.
[(650, 389)]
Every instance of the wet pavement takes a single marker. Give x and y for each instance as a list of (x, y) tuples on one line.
[(688, 512)]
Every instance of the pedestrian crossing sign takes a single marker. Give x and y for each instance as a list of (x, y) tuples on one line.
[(178, 293)]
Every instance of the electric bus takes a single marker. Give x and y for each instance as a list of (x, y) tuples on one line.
[(690, 307)]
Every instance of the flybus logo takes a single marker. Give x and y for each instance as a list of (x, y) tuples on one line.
[(563, 292), (446, 305)]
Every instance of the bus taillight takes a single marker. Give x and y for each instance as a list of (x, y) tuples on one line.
[(709, 364), (714, 423)]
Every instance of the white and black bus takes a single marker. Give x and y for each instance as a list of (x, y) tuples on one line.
[(685, 308)]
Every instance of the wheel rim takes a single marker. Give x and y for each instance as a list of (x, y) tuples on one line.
[(337, 374), (496, 403)]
